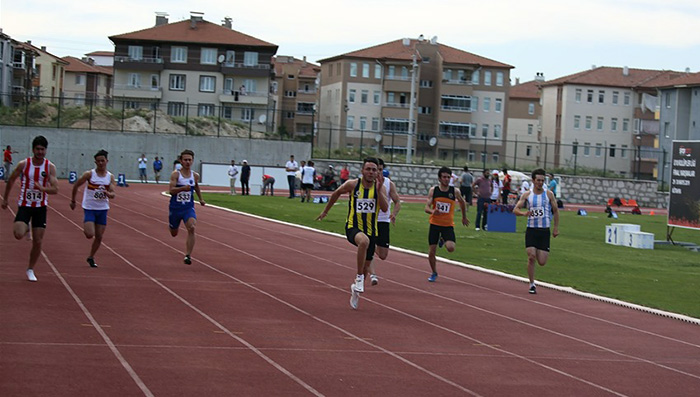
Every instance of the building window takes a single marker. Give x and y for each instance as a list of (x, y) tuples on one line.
[(578, 95), (351, 95), (289, 115), (475, 103), (496, 130), (375, 123), (178, 55), (230, 58), (353, 69), (208, 56), (625, 125), (404, 73), (623, 151), (667, 99), (155, 81), (207, 83), (627, 98), (228, 86), (577, 122), (134, 80), (601, 96), (475, 77), (364, 96), (351, 123), (495, 157), (498, 105), (615, 97), (377, 71), (613, 124), (247, 114), (599, 124), (425, 110), (587, 149), (598, 149), (79, 79), (79, 99), (667, 129), (135, 52), (330, 69), (205, 109), (392, 71), (365, 70), (376, 97), (250, 58), (612, 149), (487, 77), (499, 79), (426, 84), (484, 130), (589, 121), (470, 156), (589, 96), (290, 94), (363, 123), (176, 109), (528, 151), (530, 128), (177, 82), (487, 104), (531, 108)]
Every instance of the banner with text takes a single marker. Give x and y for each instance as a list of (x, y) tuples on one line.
[(684, 203)]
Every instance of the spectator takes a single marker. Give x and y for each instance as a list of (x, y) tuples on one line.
[(506, 187), (291, 167), (344, 174), (157, 166), (245, 176), (465, 185), (143, 164), (7, 161), (553, 184), (483, 189), (232, 174), (328, 176), (177, 164), (308, 175), (268, 181)]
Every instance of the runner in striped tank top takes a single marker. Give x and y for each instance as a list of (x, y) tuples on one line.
[(367, 197), (96, 196), (37, 180), (184, 183), (541, 215)]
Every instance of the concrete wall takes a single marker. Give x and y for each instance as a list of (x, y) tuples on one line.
[(73, 150), (417, 180)]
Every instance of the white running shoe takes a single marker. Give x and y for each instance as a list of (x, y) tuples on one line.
[(374, 278), (30, 275), (360, 283), (354, 297)]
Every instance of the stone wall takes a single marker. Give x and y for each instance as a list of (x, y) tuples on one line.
[(418, 179)]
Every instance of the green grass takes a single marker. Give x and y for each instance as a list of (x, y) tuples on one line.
[(666, 278)]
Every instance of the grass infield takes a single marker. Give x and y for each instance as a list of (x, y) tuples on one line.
[(666, 278)]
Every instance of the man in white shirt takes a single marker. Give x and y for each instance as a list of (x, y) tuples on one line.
[(308, 174), (143, 164), (232, 174), (291, 167)]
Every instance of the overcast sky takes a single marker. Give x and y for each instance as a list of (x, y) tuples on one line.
[(550, 36)]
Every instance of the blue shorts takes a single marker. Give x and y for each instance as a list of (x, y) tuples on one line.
[(98, 217), (180, 215)]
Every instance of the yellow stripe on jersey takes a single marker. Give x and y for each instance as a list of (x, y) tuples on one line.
[(363, 209)]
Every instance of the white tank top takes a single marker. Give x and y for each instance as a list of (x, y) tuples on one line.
[(385, 216), (31, 177), (540, 210), (95, 194)]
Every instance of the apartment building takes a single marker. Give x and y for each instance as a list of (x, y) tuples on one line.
[(6, 55), (679, 116), (86, 83), (194, 68), (602, 118), (50, 71), (458, 112), (524, 130), (294, 90), (102, 58), (19, 77)]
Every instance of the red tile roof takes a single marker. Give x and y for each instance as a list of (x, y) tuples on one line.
[(205, 33), (614, 77), (101, 53), (308, 70), (39, 50), (685, 79), (527, 90), (76, 65), (396, 50)]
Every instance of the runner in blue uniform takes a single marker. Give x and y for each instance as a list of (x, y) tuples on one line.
[(183, 184)]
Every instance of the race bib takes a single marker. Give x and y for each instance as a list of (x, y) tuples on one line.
[(442, 207), (100, 195), (536, 212), (365, 206), (34, 196), (184, 197)]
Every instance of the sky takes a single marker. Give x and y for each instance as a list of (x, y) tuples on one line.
[(553, 37)]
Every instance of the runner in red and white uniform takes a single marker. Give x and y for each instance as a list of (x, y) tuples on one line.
[(96, 196), (37, 180)]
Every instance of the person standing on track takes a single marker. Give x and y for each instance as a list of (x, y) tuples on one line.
[(38, 180), (367, 197), (441, 207), (384, 220), (541, 214), (245, 177), (96, 196), (143, 165), (232, 175), (183, 184), (157, 167)]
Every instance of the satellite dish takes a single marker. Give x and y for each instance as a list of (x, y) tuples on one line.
[(378, 138), (432, 141), (221, 58), (262, 119)]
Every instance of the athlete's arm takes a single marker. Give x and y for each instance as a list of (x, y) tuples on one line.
[(429, 204), (518, 210), (382, 198), (555, 213), (462, 206), (10, 182), (83, 178), (397, 202), (346, 187), (196, 188), (173, 184), (110, 188), (53, 182)]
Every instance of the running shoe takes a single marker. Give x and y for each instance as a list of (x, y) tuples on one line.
[(441, 242), (374, 278), (533, 289), (354, 297), (360, 283), (91, 262), (432, 277), (477, 229), (30, 275), (188, 260)]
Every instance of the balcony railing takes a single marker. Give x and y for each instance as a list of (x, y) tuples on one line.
[(457, 81), (401, 78), (136, 88), (303, 91), (138, 60), (396, 105), (456, 108), (18, 65), (458, 135), (246, 66)]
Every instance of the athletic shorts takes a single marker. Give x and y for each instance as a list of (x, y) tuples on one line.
[(466, 192), (98, 217), (36, 214), (307, 185), (177, 216), (351, 233), (383, 238), (537, 238), (142, 172), (435, 232)]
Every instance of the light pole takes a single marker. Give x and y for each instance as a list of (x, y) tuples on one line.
[(411, 111)]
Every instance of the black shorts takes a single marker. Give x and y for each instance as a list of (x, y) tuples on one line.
[(537, 238), (466, 192), (36, 214), (352, 232), (435, 232), (307, 185), (383, 238)]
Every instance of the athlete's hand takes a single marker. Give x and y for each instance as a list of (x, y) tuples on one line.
[(202, 203), (465, 221), (72, 205), (555, 232), (392, 219), (321, 216), (4, 204)]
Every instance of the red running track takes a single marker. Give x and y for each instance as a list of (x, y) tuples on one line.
[(263, 310)]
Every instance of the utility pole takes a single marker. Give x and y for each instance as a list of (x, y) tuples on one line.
[(411, 111)]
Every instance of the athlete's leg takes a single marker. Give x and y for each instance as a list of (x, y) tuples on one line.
[(190, 224), (542, 257), (382, 253), (99, 232), (531, 258), (362, 242), (20, 229), (89, 229), (450, 246), (37, 238), (431, 257)]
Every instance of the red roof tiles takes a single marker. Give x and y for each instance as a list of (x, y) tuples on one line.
[(615, 77)]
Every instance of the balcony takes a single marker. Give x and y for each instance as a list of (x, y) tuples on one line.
[(305, 92), (121, 62), (463, 81), (130, 91), (243, 70), (456, 108), (396, 105), (249, 98)]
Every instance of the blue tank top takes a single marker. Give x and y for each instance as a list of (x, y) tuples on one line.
[(183, 200), (540, 210)]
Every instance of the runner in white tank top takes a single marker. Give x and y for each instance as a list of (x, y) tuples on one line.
[(384, 219), (38, 179), (96, 196)]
